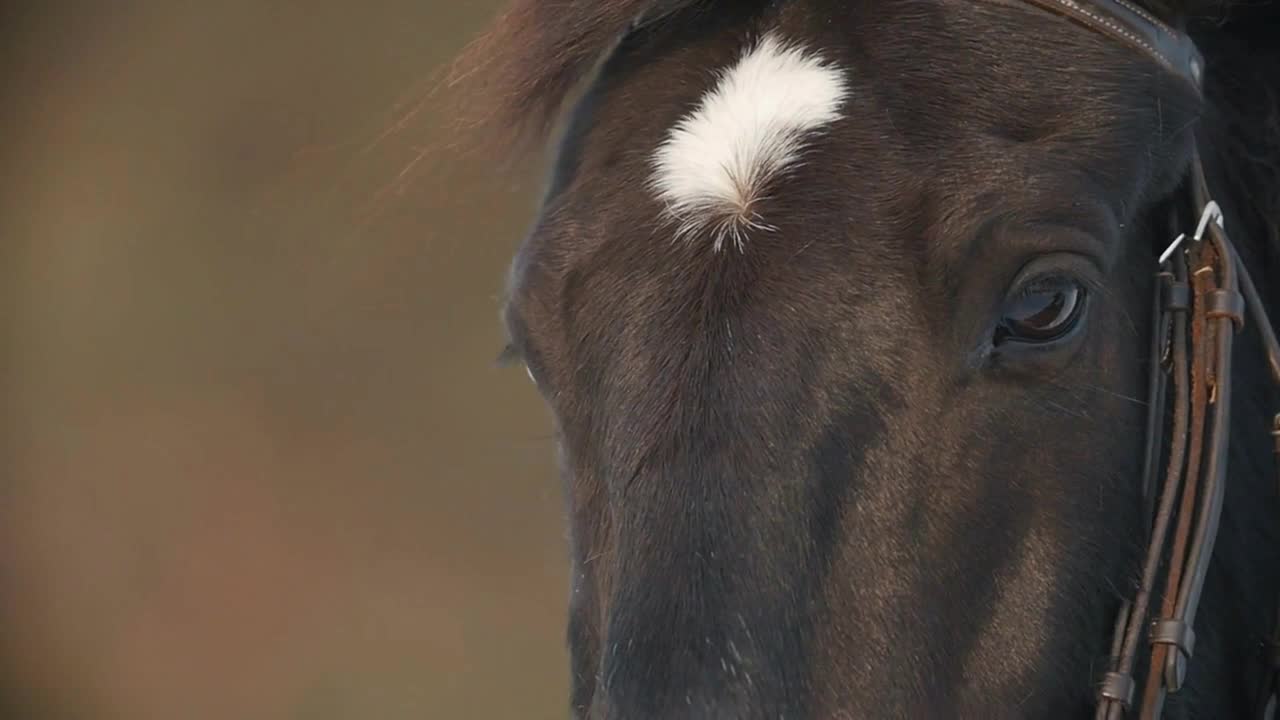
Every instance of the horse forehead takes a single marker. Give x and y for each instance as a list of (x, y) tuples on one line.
[(753, 137)]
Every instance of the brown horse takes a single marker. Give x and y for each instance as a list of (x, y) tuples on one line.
[(843, 311)]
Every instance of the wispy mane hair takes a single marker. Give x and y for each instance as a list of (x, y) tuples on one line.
[(512, 81)]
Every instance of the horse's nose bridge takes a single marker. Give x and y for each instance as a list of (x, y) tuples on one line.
[(727, 490), (708, 612), (717, 580)]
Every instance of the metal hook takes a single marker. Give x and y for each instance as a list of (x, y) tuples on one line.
[(1211, 213)]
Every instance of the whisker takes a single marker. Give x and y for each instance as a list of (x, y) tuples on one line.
[(1099, 388), (1108, 294), (1112, 393), (1068, 411)]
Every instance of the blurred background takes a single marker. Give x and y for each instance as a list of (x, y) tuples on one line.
[(256, 457)]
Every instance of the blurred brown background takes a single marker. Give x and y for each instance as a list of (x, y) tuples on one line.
[(257, 459)]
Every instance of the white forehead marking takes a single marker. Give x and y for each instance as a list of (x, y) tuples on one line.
[(714, 166)]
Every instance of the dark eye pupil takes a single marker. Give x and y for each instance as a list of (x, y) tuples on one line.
[(1043, 312)]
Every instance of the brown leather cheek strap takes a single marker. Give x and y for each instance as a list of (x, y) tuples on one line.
[(1192, 492), (1169, 344), (1218, 313), (1168, 632)]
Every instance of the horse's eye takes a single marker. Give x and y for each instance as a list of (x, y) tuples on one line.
[(1043, 311)]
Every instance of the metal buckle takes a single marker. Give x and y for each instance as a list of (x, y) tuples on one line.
[(1179, 634), (1211, 213), (1119, 687)]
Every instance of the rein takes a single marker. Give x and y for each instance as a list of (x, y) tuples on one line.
[(1203, 293)]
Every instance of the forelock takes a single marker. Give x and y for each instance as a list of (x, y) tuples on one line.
[(512, 81)]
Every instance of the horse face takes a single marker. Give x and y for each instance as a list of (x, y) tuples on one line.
[(842, 312)]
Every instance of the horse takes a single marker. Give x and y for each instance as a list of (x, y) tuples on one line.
[(842, 311)]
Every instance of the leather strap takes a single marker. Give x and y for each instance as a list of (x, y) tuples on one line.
[(1169, 629), (1192, 495), (1169, 341)]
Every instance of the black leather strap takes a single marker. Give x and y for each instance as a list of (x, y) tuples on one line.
[(1177, 296)]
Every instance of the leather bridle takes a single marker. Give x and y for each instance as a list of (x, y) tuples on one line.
[(1202, 294)]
